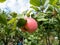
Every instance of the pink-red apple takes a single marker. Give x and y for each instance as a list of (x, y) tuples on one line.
[(30, 26)]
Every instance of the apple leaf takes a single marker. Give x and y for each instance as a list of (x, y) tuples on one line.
[(42, 19), (35, 2), (3, 19), (2, 1), (12, 21), (21, 22), (13, 14), (35, 8), (53, 2)]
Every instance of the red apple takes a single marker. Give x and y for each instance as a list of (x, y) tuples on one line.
[(31, 25)]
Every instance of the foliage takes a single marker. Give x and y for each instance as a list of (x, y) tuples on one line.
[(48, 17), (2, 1)]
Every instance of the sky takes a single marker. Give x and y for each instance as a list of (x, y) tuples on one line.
[(15, 5)]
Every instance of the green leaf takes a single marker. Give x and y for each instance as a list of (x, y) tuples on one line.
[(12, 21), (14, 26), (2, 0), (35, 8), (13, 14), (58, 10), (35, 2), (42, 19), (43, 2), (53, 2), (33, 43), (21, 22), (3, 19)]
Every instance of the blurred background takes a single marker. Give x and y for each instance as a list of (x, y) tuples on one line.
[(15, 5)]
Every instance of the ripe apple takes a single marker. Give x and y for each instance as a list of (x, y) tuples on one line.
[(30, 26)]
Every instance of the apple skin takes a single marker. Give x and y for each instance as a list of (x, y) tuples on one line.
[(30, 26)]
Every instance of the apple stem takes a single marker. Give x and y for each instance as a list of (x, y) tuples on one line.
[(30, 15), (59, 37)]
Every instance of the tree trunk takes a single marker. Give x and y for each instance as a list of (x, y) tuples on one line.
[(59, 38), (5, 42), (59, 42), (48, 41)]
